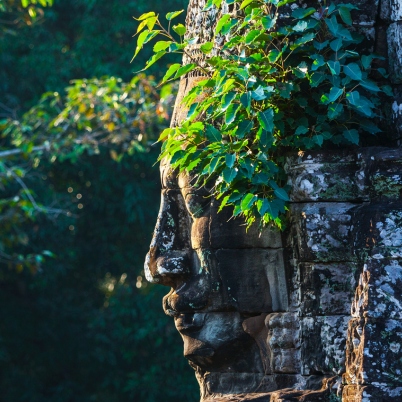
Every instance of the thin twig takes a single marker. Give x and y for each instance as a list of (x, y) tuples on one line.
[(33, 201)]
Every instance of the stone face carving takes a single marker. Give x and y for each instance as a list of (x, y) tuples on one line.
[(310, 314), (283, 316)]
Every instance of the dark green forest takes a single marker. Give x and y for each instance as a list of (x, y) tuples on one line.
[(78, 322)]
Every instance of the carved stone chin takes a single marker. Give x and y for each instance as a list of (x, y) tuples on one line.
[(310, 314)]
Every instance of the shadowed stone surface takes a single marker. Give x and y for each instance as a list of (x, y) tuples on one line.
[(311, 314)]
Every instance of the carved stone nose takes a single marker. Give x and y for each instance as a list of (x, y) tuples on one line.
[(167, 262), (167, 269)]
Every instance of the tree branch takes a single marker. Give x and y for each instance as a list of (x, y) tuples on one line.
[(17, 151)]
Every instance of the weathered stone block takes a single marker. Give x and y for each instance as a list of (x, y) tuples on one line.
[(283, 341), (384, 171), (371, 393), (322, 231), (327, 289), (253, 280), (318, 176), (323, 344), (379, 292), (235, 234), (374, 353), (397, 117), (394, 39), (378, 230), (391, 10)]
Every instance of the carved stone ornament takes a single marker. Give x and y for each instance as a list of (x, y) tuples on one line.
[(310, 314)]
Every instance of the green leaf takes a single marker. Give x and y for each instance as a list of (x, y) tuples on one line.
[(336, 44), (185, 70), (174, 14), (353, 71), (245, 99), (334, 94), (332, 25), (281, 194), (301, 26), (222, 21), (321, 45), (229, 174), (354, 98), (208, 5), (206, 47), (153, 59), (142, 39), (268, 22), (180, 29), (262, 206), (366, 61), (335, 110), (151, 22), (369, 126), (319, 139), (304, 39), (316, 79), (318, 61), (265, 138), (345, 15), (258, 94), (300, 13), (145, 16), (244, 128), (247, 201), (370, 85), (228, 26), (230, 159), (266, 120), (212, 134), (387, 90), (171, 70), (362, 104), (245, 3), (274, 55), (227, 100), (334, 67), (161, 45), (192, 110), (301, 130), (285, 89), (231, 112), (352, 136), (252, 35), (214, 164)]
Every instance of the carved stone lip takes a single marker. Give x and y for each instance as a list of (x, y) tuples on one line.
[(176, 304)]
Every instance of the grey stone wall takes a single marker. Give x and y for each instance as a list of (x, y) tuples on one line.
[(314, 313)]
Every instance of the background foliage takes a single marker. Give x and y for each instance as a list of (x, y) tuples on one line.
[(81, 325)]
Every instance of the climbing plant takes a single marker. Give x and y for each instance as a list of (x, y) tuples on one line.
[(285, 78)]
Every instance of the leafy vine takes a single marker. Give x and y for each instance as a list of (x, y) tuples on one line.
[(273, 84)]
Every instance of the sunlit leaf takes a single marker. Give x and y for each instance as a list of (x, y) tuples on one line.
[(174, 14)]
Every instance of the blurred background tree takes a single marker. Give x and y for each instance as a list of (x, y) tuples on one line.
[(79, 197)]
